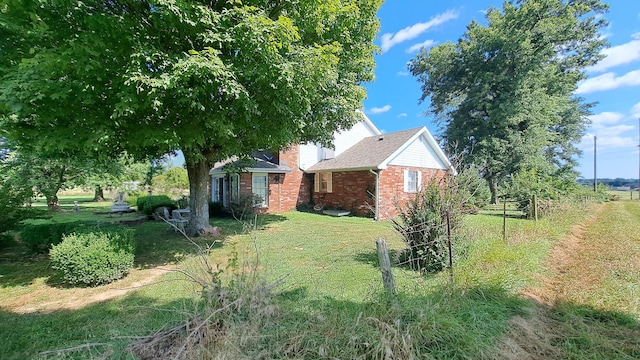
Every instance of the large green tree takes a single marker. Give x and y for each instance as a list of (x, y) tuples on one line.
[(209, 78), (503, 93)]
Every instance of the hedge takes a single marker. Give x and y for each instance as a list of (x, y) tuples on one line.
[(40, 238), (94, 256), (149, 204)]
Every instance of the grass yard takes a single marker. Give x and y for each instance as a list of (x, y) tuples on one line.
[(331, 303)]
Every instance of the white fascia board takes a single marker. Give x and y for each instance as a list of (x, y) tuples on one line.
[(369, 123), (424, 132)]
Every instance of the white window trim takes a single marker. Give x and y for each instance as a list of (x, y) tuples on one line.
[(265, 200), (418, 181), (215, 188), (234, 197), (318, 180)]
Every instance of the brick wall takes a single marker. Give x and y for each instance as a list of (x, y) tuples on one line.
[(392, 187), (349, 192), (286, 191)]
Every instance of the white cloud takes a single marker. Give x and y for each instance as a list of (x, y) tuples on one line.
[(403, 115), (379, 110), (419, 46), (613, 131), (604, 118), (619, 55), (635, 112), (403, 73), (389, 40), (608, 81), (609, 138)]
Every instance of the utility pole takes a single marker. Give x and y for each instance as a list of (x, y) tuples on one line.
[(638, 159), (595, 178)]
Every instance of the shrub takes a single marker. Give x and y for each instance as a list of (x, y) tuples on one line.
[(216, 209), (39, 238), (132, 200), (149, 204), (422, 224), (141, 201), (94, 256), (5, 240)]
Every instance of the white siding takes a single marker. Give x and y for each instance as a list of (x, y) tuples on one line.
[(308, 155), (348, 138), (418, 154), (311, 154)]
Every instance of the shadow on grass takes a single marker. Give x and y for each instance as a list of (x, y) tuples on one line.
[(157, 244), (456, 323), (446, 322), (21, 268), (110, 326), (371, 257)]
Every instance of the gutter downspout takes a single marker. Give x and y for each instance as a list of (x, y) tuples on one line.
[(377, 213)]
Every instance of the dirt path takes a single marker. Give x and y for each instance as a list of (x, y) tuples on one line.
[(46, 299), (579, 265)]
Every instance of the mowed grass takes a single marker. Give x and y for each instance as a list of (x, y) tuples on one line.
[(330, 303)]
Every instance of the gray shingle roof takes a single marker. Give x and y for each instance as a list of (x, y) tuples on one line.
[(369, 153), (256, 164)]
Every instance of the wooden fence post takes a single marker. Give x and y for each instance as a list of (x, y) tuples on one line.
[(385, 266), (535, 207)]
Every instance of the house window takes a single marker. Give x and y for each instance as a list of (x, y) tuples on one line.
[(217, 189), (323, 182), (411, 181), (260, 189), (234, 187)]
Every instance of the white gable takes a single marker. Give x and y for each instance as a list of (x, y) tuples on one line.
[(346, 139), (418, 154), (308, 155), (311, 154)]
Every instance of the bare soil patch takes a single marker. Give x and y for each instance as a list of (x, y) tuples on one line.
[(533, 336), (46, 299)]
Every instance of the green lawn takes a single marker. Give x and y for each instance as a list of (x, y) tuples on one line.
[(330, 304)]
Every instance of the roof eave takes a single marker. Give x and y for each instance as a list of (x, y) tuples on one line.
[(363, 168)]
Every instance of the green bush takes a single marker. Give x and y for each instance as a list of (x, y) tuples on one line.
[(149, 204), (94, 256), (422, 224), (40, 238), (216, 209), (5, 240), (141, 201), (132, 200)]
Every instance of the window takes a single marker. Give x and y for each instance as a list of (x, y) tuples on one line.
[(411, 181), (217, 189), (323, 182), (260, 189), (234, 187)]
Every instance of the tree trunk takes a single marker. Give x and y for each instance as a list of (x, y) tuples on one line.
[(98, 193), (493, 188), (53, 203), (198, 172)]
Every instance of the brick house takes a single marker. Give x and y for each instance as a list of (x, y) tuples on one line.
[(366, 173)]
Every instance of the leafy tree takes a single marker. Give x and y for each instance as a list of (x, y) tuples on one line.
[(174, 178), (14, 200), (38, 174), (503, 92), (211, 79)]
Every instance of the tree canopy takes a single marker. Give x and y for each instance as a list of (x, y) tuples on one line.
[(209, 78), (503, 93)]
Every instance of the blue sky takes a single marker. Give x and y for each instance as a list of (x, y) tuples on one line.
[(407, 25)]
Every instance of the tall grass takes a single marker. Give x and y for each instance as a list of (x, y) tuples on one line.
[(331, 303)]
